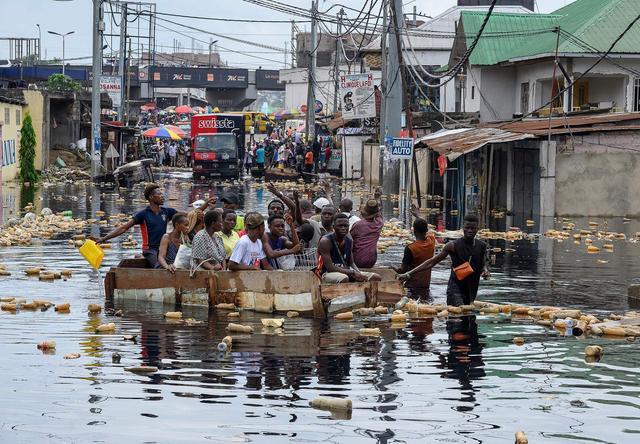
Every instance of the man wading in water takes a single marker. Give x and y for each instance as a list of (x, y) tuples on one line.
[(468, 264), (153, 224)]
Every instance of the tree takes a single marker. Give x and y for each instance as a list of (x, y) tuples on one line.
[(27, 152), (62, 82)]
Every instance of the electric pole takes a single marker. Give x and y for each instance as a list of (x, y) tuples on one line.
[(98, 28), (383, 92), (338, 58), (294, 47), (311, 99), (123, 51), (393, 108)]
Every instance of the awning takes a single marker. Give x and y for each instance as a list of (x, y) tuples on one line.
[(454, 143)]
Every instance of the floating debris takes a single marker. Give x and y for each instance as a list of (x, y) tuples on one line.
[(173, 315), (142, 369), (71, 356), (239, 328)]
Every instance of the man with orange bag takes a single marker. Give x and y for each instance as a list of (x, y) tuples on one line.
[(468, 264)]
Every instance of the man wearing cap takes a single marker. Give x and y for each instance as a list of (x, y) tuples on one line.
[(248, 253), (365, 234), (335, 256), (230, 201), (318, 205)]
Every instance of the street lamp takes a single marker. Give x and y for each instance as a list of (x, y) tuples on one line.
[(210, 45), (63, 37)]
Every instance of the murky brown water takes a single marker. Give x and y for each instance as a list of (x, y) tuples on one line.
[(458, 381)]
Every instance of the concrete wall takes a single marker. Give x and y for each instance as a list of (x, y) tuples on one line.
[(10, 140), (596, 179), (497, 83), (37, 106)]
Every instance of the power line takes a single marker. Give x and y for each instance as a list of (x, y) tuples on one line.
[(218, 19)]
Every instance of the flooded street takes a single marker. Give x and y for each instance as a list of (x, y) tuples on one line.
[(460, 380)]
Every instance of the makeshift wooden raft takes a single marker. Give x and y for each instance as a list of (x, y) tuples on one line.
[(261, 291)]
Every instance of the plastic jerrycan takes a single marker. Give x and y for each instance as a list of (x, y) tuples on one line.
[(92, 253)]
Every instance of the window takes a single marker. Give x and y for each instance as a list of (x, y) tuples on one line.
[(473, 92), (636, 94), (18, 118), (524, 97), (7, 116)]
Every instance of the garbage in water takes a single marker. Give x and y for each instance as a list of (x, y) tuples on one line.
[(521, 438), (63, 308), (327, 403), (225, 306), (369, 332), (239, 328), (92, 252), (8, 306), (346, 316), (103, 328), (94, 308), (273, 323), (130, 337), (173, 315), (71, 356), (115, 357), (518, 340), (46, 345), (233, 314), (292, 314)]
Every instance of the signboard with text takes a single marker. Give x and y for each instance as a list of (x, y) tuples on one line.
[(358, 95), (268, 79), (112, 85), (168, 76), (401, 148)]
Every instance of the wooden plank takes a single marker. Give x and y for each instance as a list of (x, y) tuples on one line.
[(387, 274), (332, 291), (372, 295), (138, 262), (213, 290), (130, 278), (389, 292), (319, 310), (282, 282), (109, 284)]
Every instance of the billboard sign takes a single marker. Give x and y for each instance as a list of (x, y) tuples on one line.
[(358, 95), (112, 85), (268, 79), (224, 78)]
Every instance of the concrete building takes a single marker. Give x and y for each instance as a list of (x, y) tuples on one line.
[(428, 48), (11, 113)]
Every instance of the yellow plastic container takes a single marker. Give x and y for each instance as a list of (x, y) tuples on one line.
[(92, 253)]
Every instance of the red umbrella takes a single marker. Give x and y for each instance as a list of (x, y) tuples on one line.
[(184, 109), (176, 130)]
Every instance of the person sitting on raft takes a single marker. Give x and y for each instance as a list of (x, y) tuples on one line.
[(279, 249), (335, 256), (208, 250), (248, 253), (468, 264), (153, 222), (170, 243)]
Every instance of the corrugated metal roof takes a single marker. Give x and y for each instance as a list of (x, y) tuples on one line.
[(598, 122), (597, 22), (454, 143)]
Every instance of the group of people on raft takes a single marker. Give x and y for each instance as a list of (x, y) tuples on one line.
[(345, 243)]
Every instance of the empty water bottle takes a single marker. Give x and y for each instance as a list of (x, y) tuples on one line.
[(402, 302), (222, 347)]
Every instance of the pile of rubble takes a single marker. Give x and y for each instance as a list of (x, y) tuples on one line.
[(55, 174), (45, 226)]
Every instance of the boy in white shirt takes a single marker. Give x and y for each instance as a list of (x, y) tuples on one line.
[(248, 253)]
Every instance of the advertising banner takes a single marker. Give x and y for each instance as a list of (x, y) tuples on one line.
[(112, 85), (267, 79), (167, 76), (358, 95)]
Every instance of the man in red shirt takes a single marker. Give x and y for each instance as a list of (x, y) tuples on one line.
[(416, 253)]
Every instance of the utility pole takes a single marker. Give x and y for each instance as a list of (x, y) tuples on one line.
[(123, 52), (393, 112), (399, 25), (311, 99), (338, 59), (383, 92), (98, 28), (294, 47)]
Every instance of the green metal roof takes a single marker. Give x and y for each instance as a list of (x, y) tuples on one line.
[(597, 22)]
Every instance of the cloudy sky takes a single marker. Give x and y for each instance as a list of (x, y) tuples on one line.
[(19, 18)]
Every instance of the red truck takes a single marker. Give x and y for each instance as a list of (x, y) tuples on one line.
[(217, 144)]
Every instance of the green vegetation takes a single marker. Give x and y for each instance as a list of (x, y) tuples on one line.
[(61, 82), (27, 151)]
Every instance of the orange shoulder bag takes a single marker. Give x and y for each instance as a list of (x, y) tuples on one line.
[(465, 269)]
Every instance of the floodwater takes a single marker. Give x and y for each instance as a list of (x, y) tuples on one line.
[(457, 381)]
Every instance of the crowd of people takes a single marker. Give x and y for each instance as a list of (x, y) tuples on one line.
[(287, 148), (297, 234)]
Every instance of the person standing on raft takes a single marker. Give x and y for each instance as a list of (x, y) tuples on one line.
[(468, 264)]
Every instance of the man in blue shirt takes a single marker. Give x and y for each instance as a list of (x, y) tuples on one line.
[(260, 157), (153, 224)]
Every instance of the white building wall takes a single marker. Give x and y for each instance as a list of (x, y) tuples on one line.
[(498, 85)]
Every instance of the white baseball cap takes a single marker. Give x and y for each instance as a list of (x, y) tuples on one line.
[(197, 204), (321, 202)]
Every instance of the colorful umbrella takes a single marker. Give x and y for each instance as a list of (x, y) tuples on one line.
[(184, 109), (161, 133), (176, 130)]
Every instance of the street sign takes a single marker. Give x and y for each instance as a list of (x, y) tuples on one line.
[(401, 148), (111, 153)]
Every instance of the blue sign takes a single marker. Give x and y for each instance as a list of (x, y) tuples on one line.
[(401, 148)]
